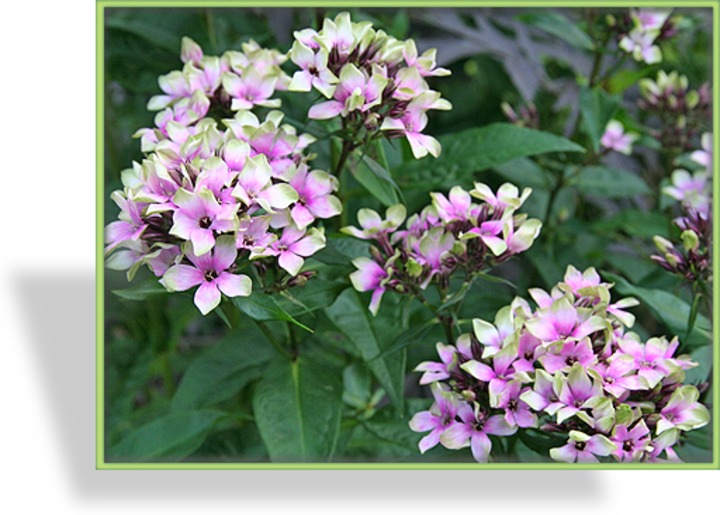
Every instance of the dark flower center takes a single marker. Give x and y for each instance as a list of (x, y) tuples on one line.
[(210, 275), (627, 445), (205, 222), (571, 360), (512, 404), (580, 446)]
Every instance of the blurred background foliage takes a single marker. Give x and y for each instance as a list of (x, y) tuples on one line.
[(157, 344)]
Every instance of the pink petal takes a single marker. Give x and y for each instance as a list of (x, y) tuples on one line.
[(182, 277), (290, 262), (325, 110), (207, 297), (234, 285), (481, 446)]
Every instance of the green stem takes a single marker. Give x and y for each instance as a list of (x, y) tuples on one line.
[(167, 373)]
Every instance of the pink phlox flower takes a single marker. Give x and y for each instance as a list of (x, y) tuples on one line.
[(543, 299), (582, 448), (252, 89), (561, 321), (544, 395), (433, 248), (615, 138), (370, 276), (294, 245), (175, 85), (313, 70), (631, 444), (517, 411), (563, 356), (639, 43), (130, 225), (410, 125), (315, 200), (425, 64), (530, 349), (691, 190), (576, 392), (373, 226), (521, 237), (704, 157), (355, 91), (216, 176), (508, 196), (650, 19), (653, 360), (473, 429), (408, 84), (255, 186), (490, 232), (456, 207), (211, 272), (254, 234), (618, 375), (434, 371), (199, 216), (683, 411), (495, 337), (498, 375), (204, 76), (436, 420)]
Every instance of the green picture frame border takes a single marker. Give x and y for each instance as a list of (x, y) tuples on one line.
[(102, 5)]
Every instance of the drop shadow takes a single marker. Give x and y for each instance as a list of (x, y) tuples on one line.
[(59, 314)]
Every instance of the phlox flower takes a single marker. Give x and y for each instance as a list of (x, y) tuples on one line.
[(619, 375), (615, 138), (473, 429), (704, 157), (498, 375), (253, 88), (210, 272), (562, 320), (370, 276), (583, 448), (355, 90), (653, 360), (434, 371), (130, 225), (255, 186), (575, 393), (314, 190), (631, 444), (294, 245), (639, 43), (494, 337), (314, 72), (373, 226), (456, 207), (683, 411), (517, 411), (562, 356), (199, 215), (544, 395), (436, 420)]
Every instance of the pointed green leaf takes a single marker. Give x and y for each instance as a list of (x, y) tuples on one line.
[(298, 407), (352, 318)]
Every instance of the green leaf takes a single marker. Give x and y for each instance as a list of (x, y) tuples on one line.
[(673, 311), (149, 32), (223, 370), (298, 406), (610, 182), (169, 438), (318, 293), (341, 250), (634, 222), (623, 79), (262, 307), (524, 172), (477, 149), (351, 317), (597, 108), (560, 26), (701, 373), (141, 291), (377, 180)]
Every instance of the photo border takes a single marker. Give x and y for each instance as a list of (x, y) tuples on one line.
[(100, 464)]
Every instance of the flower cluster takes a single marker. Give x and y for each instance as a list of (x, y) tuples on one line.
[(373, 81), (205, 200), (691, 258), (235, 80), (452, 234), (569, 368), (681, 111), (644, 29)]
